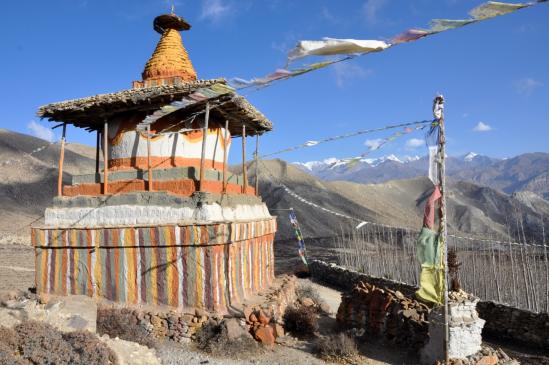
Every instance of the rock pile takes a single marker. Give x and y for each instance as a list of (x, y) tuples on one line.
[(486, 356), (385, 312), (262, 326)]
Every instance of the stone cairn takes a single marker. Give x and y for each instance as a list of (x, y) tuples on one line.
[(465, 329), (385, 312)]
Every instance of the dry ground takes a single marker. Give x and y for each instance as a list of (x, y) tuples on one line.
[(16, 267)]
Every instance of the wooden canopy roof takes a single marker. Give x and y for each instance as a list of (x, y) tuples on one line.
[(91, 112)]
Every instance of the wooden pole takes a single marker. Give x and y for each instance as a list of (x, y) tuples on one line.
[(106, 158), (61, 159), (225, 154), (203, 155), (244, 171), (439, 114), (149, 169), (256, 157), (97, 148)]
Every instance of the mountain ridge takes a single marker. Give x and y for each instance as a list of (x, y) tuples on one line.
[(525, 172)]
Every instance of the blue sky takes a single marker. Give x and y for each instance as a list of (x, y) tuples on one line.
[(494, 72)]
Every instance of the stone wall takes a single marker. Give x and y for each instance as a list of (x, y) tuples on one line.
[(502, 322), (182, 325), (346, 279), (385, 314), (513, 324)]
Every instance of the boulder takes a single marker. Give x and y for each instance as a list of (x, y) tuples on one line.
[(307, 302), (265, 335)]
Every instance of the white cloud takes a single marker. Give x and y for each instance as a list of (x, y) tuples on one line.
[(215, 10), (527, 85), (373, 143), (414, 143), (371, 9), (40, 131), (482, 127), (345, 71)]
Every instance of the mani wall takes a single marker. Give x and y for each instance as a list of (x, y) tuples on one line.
[(502, 322)]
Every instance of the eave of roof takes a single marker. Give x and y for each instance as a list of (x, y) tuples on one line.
[(91, 112)]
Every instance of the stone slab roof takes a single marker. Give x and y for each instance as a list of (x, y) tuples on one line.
[(91, 112)]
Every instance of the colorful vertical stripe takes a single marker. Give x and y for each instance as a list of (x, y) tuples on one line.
[(205, 266)]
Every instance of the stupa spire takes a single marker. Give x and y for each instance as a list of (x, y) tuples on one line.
[(169, 63)]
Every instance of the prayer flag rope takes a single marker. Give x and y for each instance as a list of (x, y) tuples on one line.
[(31, 153), (418, 125), (354, 47)]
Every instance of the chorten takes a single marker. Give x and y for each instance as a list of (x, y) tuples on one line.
[(161, 221)]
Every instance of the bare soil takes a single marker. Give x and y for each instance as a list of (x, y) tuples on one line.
[(16, 267)]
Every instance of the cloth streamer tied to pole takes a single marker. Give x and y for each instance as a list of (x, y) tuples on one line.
[(298, 235)]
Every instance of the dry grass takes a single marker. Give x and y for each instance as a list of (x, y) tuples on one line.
[(213, 338), (301, 321), (338, 348), (39, 343), (307, 291), (123, 323)]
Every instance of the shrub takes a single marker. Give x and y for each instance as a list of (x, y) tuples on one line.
[(9, 338), (123, 323), (90, 350), (39, 343), (214, 339), (7, 357), (307, 291), (42, 344), (337, 348), (300, 321)]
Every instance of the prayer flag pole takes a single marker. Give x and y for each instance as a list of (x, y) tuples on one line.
[(438, 111)]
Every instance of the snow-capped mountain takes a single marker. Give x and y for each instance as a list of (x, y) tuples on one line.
[(470, 156), (373, 170)]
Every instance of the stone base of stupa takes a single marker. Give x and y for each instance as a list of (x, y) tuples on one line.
[(205, 251), (465, 330)]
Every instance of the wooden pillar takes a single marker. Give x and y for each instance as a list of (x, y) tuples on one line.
[(244, 171), (256, 157), (225, 155), (97, 148), (106, 158), (149, 169), (61, 159), (203, 155)]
